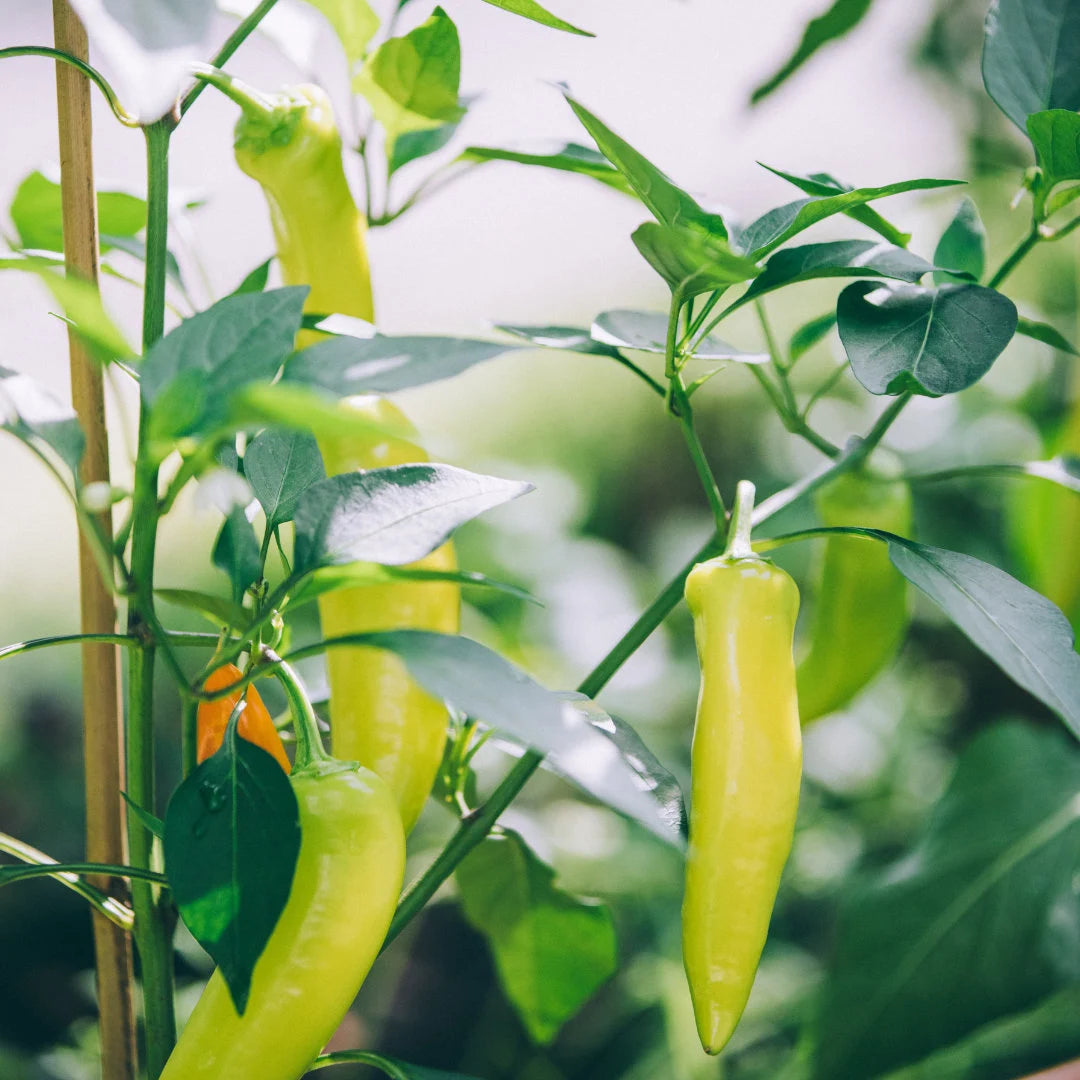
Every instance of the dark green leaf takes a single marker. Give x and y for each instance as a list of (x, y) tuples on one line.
[(36, 213), (777, 226), (1031, 56), (978, 921), (411, 145), (809, 334), (255, 281), (236, 551), (1055, 135), (552, 950), (826, 184), (583, 743), (189, 376), (345, 366), (395, 515), (647, 330), (842, 17), (568, 158), (530, 9), (836, 258), (412, 82), (930, 340), (281, 466), (31, 413), (667, 202), (962, 245), (691, 261), (218, 609), (1019, 629), (1045, 333), (153, 825), (569, 338), (232, 838)]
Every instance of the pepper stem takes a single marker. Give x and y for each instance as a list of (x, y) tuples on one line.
[(309, 745), (738, 537), (247, 97)]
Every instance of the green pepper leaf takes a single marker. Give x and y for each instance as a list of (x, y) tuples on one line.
[(412, 145), (978, 921), (809, 334), (1047, 334), (33, 414), (1055, 136), (530, 9), (690, 260), (962, 246), (570, 157), (217, 609), (255, 280), (840, 19), (568, 338), (236, 551), (646, 331), (552, 950), (930, 340), (1031, 56), (232, 838), (393, 516), (354, 22), (281, 466)]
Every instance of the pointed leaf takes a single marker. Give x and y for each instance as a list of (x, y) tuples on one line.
[(232, 838), (929, 340), (978, 921), (552, 950), (1031, 56), (218, 609), (530, 9), (568, 157), (962, 245), (354, 23), (809, 334), (569, 338), (281, 466), (691, 261), (646, 331), (1055, 136), (236, 551), (1045, 333), (395, 515), (412, 145)]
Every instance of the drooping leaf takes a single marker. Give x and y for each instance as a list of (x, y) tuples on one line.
[(777, 226), (232, 838), (1031, 56), (33, 414), (345, 366), (980, 920), (690, 260), (281, 466), (827, 184), (1045, 333), (1055, 136), (666, 201), (236, 552), (354, 23), (189, 376), (36, 213), (581, 741), (929, 340), (809, 334), (836, 258), (393, 516), (646, 331), (962, 245), (1019, 629), (569, 157), (530, 9), (552, 950), (412, 82), (841, 18)]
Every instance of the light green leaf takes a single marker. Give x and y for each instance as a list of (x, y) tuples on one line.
[(530, 9), (1045, 333), (354, 22), (570, 157), (690, 260), (962, 245), (1055, 136)]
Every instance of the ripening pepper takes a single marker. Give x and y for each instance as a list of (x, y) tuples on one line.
[(344, 891), (379, 716), (861, 613), (746, 763), (254, 724)]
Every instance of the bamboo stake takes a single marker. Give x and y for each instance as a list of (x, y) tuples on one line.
[(102, 713)]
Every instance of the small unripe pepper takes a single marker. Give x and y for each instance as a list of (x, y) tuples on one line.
[(254, 724), (746, 764), (379, 716), (861, 613), (345, 888)]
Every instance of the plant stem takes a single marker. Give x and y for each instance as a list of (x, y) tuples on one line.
[(11, 874), (697, 452), (738, 537), (310, 751), (152, 936), (225, 53), (1016, 255), (479, 823)]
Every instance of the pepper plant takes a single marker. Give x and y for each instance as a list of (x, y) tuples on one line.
[(277, 395)]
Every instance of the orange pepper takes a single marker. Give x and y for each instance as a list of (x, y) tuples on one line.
[(255, 723)]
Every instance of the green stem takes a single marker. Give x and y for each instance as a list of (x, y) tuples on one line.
[(742, 515), (152, 933), (697, 452), (250, 100), (64, 639), (225, 53), (1014, 258), (479, 823), (91, 73), (9, 874), (189, 735), (310, 752)]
